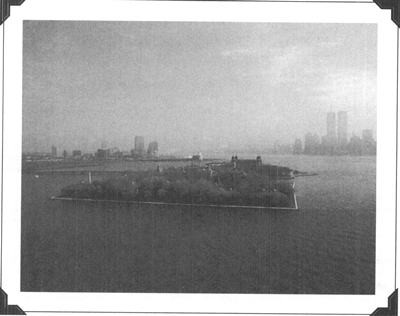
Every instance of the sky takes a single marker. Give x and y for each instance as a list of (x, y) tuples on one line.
[(193, 86)]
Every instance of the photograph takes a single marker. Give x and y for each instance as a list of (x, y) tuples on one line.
[(198, 157)]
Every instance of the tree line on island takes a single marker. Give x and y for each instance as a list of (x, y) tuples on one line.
[(190, 185)]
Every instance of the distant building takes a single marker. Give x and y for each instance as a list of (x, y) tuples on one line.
[(103, 153), (197, 159), (298, 147), (355, 146), (331, 126), (368, 143), (65, 153), (311, 144), (76, 153), (87, 156), (54, 151), (246, 164), (152, 150), (342, 129), (139, 143), (335, 142), (125, 154), (255, 165), (139, 147), (114, 151), (331, 138)]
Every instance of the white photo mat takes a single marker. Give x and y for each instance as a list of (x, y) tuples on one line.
[(269, 12)]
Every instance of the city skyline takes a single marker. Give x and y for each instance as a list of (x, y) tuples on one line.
[(192, 86), (336, 140), (336, 137)]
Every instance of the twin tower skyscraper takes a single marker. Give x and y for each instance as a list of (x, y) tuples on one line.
[(337, 133)]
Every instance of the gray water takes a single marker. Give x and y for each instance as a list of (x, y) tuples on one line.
[(326, 247)]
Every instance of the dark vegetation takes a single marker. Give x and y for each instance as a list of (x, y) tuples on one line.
[(190, 185)]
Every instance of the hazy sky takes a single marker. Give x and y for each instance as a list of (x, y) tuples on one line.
[(193, 86)]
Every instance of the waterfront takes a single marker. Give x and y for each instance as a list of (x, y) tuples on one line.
[(328, 247)]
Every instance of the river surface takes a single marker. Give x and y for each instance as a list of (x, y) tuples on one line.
[(326, 247)]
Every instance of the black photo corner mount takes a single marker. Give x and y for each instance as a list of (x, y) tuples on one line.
[(391, 310), (394, 6), (6, 309), (5, 8)]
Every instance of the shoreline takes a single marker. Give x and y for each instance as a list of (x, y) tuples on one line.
[(296, 208), (68, 166)]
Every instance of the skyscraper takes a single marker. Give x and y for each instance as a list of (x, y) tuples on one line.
[(54, 151), (331, 126), (342, 128), (331, 136), (139, 145)]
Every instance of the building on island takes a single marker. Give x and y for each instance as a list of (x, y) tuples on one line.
[(255, 165)]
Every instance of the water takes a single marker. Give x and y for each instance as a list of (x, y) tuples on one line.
[(327, 247)]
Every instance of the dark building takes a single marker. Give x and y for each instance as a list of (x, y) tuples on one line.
[(197, 159), (255, 165), (152, 150), (139, 143), (77, 153), (139, 147), (54, 151), (103, 153), (342, 129), (65, 153), (246, 164)]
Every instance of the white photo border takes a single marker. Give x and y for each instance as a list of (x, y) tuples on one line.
[(289, 12)]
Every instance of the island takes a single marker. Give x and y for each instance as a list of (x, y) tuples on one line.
[(239, 182)]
